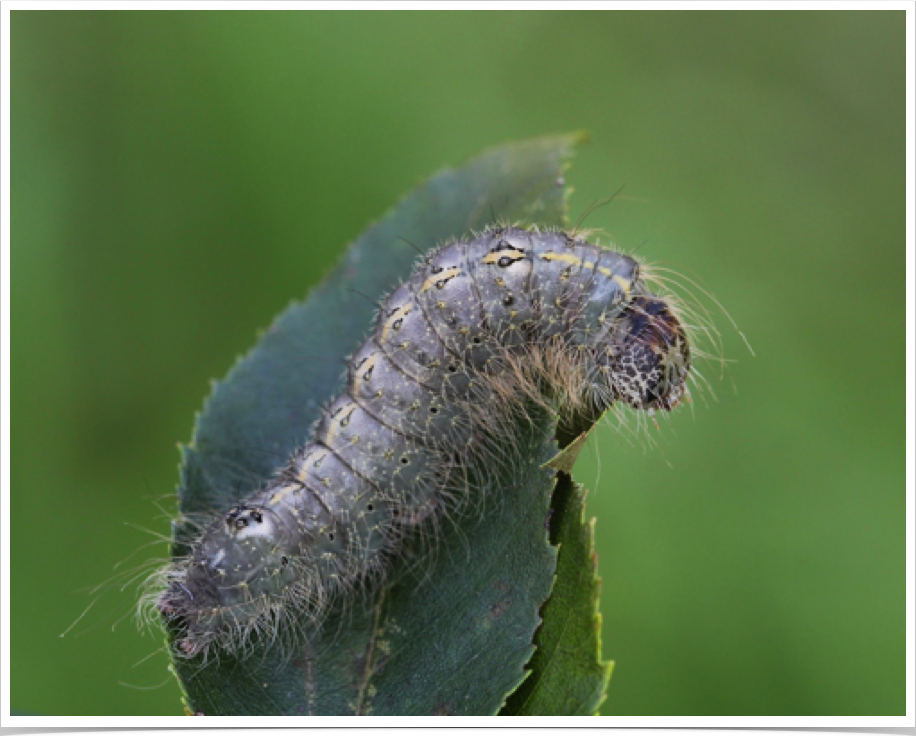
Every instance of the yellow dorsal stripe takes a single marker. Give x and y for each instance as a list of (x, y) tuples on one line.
[(448, 273), (279, 495), (514, 255), (399, 313), (359, 372), (334, 425), (314, 456), (565, 257), (624, 284)]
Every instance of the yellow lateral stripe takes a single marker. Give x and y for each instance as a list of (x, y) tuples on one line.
[(514, 255), (448, 273)]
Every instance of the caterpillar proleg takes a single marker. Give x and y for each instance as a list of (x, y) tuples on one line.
[(482, 328)]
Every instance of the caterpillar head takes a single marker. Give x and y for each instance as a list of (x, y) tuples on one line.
[(653, 359), (240, 566)]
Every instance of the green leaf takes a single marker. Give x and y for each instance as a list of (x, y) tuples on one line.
[(567, 674), (453, 631)]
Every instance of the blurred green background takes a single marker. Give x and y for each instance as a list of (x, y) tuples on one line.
[(179, 177)]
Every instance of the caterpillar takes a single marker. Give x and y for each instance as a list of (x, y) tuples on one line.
[(481, 329)]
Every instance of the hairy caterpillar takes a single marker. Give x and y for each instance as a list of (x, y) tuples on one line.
[(481, 327)]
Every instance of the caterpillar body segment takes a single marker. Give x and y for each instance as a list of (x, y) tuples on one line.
[(480, 327)]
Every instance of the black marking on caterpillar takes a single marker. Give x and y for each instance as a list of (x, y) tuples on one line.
[(481, 327)]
